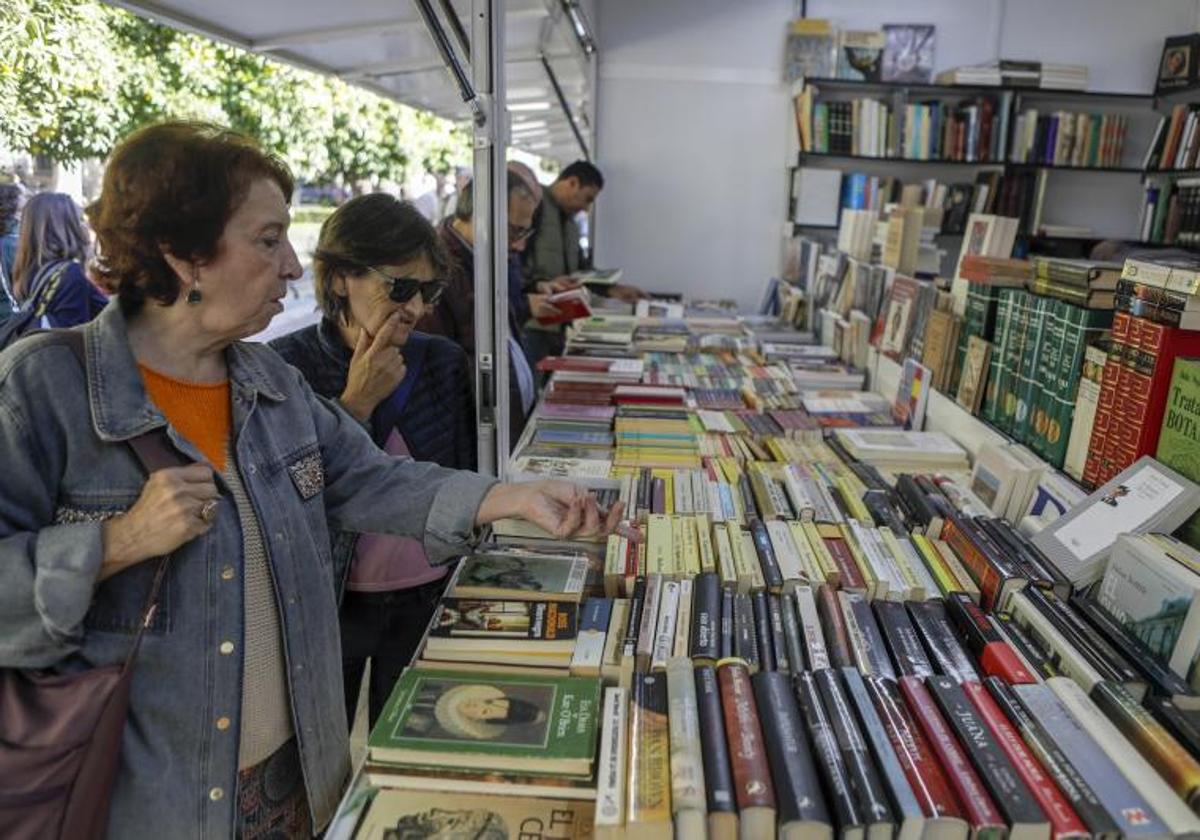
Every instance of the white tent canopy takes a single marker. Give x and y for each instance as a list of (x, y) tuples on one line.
[(385, 46)]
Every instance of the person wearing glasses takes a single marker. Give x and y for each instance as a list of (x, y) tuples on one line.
[(377, 267), (454, 316)]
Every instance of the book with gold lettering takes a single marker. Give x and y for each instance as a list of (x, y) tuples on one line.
[(649, 779), (504, 632)]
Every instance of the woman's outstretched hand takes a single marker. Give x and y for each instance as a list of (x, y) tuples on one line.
[(558, 507)]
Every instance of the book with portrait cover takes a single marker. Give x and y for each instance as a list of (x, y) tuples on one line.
[(527, 576), (481, 720), (410, 813)]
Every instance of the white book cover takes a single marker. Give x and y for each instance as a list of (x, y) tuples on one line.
[(664, 634), (810, 628), (900, 444), (683, 619), (610, 770), (786, 554)]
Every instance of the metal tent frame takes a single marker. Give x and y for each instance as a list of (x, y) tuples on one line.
[(448, 57)]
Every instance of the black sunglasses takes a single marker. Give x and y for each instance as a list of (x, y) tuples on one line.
[(402, 289)]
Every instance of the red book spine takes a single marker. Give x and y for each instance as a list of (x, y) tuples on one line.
[(1000, 660), (916, 756), (1064, 822), (851, 577), (985, 575), (1168, 344), (747, 751), (981, 812)]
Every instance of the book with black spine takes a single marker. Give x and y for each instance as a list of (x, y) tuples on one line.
[(648, 631), (762, 631), (728, 623), (1025, 818), (792, 643), (993, 653), (706, 618), (778, 643), (772, 575), (633, 626), (902, 639), (922, 511), (800, 802), (718, 776), (865, 638), (1073, 786), (1035, 656), (840, 797), (1084, 640), (1183, 724), (745, 632), (941, 640), (860, 766), (909, 816)]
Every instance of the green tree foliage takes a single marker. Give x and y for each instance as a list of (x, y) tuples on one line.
[(76, 75)]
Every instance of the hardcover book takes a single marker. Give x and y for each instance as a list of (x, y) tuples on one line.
[(489, 722), (1179, 440), (753, 788), (613, 767), (718, 777), (687, 766), (409, 813), (526, 576), (828, 757), (649, 779)]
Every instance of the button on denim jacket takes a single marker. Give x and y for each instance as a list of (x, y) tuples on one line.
[(307, 466)]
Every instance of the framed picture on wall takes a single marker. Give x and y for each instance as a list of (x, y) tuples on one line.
[(1178, 68), (908, 53)]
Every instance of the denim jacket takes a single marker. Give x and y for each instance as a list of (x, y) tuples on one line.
[(306, 465)]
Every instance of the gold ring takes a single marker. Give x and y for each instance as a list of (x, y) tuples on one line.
[(208, 511)]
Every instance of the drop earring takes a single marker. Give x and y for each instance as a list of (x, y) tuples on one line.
[(193, 296)]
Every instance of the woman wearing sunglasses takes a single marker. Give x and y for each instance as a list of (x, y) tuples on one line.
[(376, 270)]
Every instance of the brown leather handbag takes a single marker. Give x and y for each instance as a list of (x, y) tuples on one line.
[(60, 734)]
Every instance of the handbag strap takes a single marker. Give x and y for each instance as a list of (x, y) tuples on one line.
[(154, 451)]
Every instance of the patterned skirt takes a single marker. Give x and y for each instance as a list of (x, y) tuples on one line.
[(272, 804)]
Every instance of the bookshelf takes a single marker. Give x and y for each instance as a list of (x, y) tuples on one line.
[(1110, 206)]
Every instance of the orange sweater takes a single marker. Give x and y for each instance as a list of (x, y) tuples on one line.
[(198, 411)]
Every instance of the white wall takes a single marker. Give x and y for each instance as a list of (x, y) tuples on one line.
[(694, 125)]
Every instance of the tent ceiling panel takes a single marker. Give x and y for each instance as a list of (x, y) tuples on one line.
[(383, 45)]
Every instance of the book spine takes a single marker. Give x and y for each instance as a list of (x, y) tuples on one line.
[(941, 640), (648, 629), (1064, 822), (797, 785), (836, 634), (718, 777), (687, 765), (828, 753), (860, 767), (816, 652), (751, 775), (664, 633), (649, 792), (865, 637), (1082, 800), (792, 639), (1144, 778), (745, 637), (1152, 740), (765, 641), (706, 618), (611, 770), (589, 642), (902, 639), (900, 793), (779, 644), (771, 573), (917, 759), (995, 656), (614, 642), (978, 807)]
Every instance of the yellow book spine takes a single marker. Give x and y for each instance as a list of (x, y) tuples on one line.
[(678, 564), (935, 564), (811, 567), (755, 582), (853, 499), (708, 560), (829, 570), (691, 548), (726, 570), (966, 583), (914, 589), (658, 544)]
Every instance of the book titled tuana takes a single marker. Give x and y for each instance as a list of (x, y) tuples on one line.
[(981, 812), (481, 720)]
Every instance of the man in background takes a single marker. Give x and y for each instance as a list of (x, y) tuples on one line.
[(554, 253)]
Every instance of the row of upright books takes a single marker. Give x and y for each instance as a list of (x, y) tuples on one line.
[(834, 630)]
